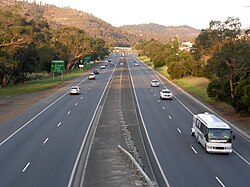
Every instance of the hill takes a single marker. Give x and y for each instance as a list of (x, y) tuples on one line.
[(96, 27), (162, 33)]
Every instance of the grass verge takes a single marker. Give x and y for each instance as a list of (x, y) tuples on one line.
[(42, 84)]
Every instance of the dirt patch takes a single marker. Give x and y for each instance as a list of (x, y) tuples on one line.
[(13, 106)]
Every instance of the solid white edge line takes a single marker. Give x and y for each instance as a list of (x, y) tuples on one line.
[(37, 115), (86, 134), (241, 157), (149, 140), (32, 119), (220, 181), (240, 132)]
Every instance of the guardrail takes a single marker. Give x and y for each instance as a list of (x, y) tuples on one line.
[(138, 170)]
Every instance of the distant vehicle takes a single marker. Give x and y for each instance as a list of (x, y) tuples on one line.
[(214, 134), (74, 90), (96, 71), (111, 64), (166, 94), (155, 83), (91, 76), (136, 64), (121, 63), (102, 67), (109, 60)]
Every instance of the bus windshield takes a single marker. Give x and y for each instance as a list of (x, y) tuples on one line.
[(219, 134)]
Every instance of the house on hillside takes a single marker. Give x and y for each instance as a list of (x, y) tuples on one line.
[(186, 46)]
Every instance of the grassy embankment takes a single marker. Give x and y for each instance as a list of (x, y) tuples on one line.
[(42, 84), (196, 86)]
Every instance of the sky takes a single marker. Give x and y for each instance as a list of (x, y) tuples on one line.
[(194, 13)]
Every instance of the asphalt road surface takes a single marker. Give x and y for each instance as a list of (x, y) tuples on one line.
[(40, 147), (182, 161)]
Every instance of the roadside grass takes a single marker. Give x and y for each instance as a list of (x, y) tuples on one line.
[(196, 86), (42, 84)]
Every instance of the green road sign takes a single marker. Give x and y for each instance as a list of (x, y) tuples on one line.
[(87, 58), (57, 66)]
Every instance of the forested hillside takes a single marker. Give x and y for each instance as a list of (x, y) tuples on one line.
[(96, 27), (162, 33), (28, 44)]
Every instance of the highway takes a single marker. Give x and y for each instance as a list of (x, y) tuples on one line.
[(180, 159), (40, 146)]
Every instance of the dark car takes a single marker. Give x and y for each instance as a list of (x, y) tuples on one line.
[(96, 71)]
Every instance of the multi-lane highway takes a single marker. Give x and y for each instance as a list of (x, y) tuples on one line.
[(182, 161), (41, 146)]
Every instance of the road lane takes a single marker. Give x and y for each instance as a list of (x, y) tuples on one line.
[(184, 162), (43, 152)]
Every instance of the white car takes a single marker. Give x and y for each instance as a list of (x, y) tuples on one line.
[(91, 76), (102, 67), (74, 90), (166, 94), (155, 83)]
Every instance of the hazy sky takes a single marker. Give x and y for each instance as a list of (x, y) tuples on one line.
[(194, 13)]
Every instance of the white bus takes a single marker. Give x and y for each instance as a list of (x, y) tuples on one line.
[(213, 133)]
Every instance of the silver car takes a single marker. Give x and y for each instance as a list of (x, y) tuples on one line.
[(74, 90), (166, 94), (91, 76), (155, 83)]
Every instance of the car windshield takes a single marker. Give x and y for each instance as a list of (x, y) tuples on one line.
[(219, 134), (166, 91), (154, 81)]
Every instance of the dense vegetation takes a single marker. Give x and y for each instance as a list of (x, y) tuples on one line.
[(221, 53), (162, 33), (29, 45)]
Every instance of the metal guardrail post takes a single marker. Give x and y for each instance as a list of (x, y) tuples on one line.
[(138, 170)]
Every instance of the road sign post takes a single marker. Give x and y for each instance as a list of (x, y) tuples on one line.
[(58, 67)]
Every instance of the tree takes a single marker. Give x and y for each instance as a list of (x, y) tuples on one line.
[(231, 63)]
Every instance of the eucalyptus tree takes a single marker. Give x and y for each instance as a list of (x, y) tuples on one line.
[(74, 42)]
